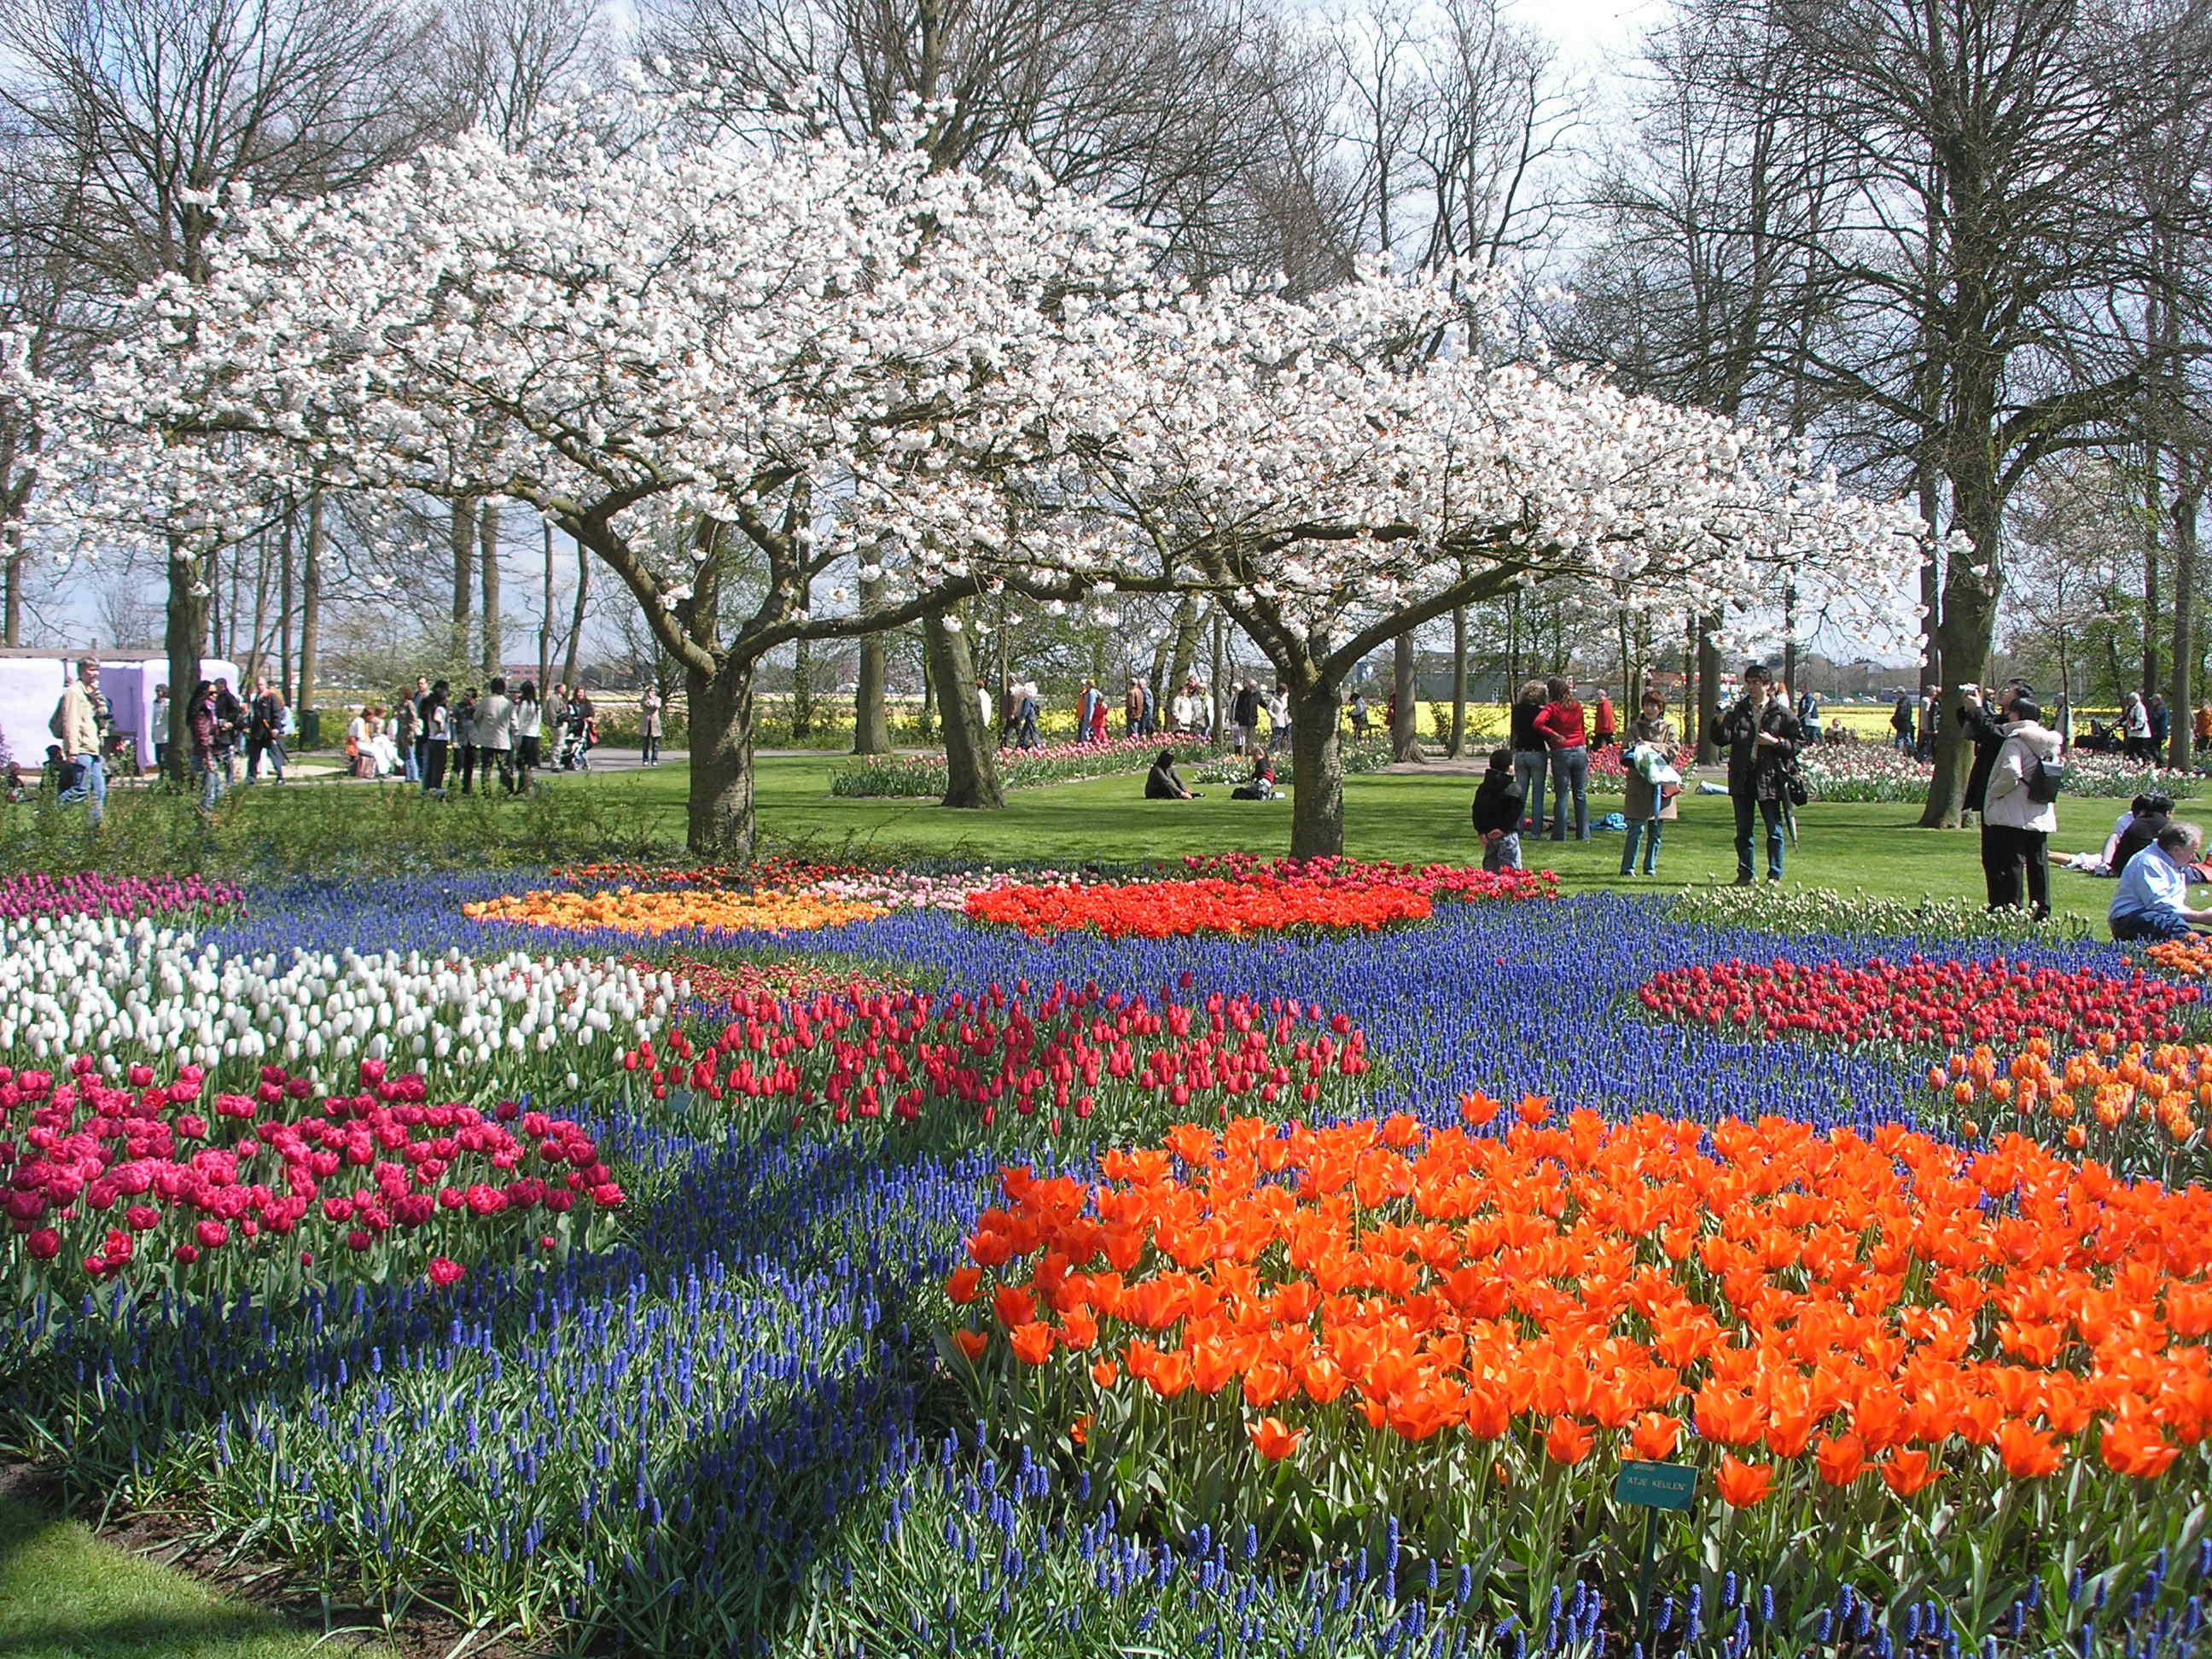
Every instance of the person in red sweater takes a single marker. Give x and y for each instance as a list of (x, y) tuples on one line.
[(1560, 725), (1602, 727)]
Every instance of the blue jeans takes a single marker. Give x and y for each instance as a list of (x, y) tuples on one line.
[(410, 762), (211, 781), (91, 791), (1530, 767), (2151, 924), (1647, 831), (1504, 853), (1771, 811), (1570, 770)]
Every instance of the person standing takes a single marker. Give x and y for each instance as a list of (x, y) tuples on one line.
[(1497, 804), (408, 727), (264, 732), (2136, 717), (2201, 732), (230, 726), (1808, 716), (465, 740), (1358, 717), (1532, 762), (1089, 704), (437, 739), (1646, 804), (1278, 717), (648, 725), (200, 718), (1151, 726), (1603, 726), (1559, 722), (1762, 737), (494, 735), (2161, 726), (160, 725), (1930, 712), (80, 721), (529, 735), (1029, 711), (1900, 725), (1985, 727), (1244, 715), (1182, 712), (1133, 710), (2020, 811)]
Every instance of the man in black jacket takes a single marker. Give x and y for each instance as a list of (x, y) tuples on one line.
[(1985, 723), (1763, 738)]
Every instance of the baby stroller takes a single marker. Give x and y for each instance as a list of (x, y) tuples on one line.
[(578, 739)]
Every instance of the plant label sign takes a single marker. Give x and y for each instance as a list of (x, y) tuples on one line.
[(1655, 1485)]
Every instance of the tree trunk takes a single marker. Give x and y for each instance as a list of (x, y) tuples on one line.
[(802, 690), (285, 552), (182, 638), (488, 557), (1790, 639), (1404, 687), (1224, 693), (871, 725), (2153, 515), (1459, 683), (929, 695), (2188, 494), (718, 818), (1690, 687), (311, 608), (545, 618), (256, 645), (1316, 775), (1186, 649), (569, 669), (461, 538), (13, 635), (1970, 591), (1709, 694), (971, 755)]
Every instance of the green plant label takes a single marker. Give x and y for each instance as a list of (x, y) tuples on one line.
[(1655, 1485)]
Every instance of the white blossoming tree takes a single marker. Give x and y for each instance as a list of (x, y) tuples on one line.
[(840, 360), (1341, 470), (620, 324)]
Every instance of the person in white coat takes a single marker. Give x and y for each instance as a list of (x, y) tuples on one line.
[(2021, 811)]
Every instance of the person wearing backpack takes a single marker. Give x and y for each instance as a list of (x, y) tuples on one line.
[(2021, 809)]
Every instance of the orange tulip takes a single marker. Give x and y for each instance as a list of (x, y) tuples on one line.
[(1908, 1470), (972, 1343), (2028, 1454), (1655, 1437), (2132, 1446), (1031, 1343), (1741, 1484), (1567, 1441), (1272, 1439)]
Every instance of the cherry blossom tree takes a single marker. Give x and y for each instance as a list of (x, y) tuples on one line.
[(854, 366)]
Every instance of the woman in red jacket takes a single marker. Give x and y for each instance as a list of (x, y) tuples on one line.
[(1560, 725)]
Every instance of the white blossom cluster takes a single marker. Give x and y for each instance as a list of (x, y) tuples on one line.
[(965, 380), (115, 988)]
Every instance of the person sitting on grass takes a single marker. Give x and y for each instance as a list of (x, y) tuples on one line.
[(1497, 803), (1260, 786), (1163, 783), (2153, 900)]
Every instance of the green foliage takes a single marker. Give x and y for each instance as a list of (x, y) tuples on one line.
[(329, 830)]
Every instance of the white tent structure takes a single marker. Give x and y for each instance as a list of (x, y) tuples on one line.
[(31, 685)]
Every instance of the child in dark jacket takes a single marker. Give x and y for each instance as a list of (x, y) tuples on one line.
[(1497, 814)]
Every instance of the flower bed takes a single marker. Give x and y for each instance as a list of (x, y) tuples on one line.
[(85, 893), (1354, 759), (691, 909), (260, 1192), (903, 1057), (2140, 1111), (1772, 908), (1296, 1328), (1876, 772), (1321, 897), (1918, 1001), (1019, 768)]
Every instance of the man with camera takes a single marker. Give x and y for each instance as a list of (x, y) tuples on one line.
[(1763, 738)]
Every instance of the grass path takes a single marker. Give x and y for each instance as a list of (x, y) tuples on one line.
[(65, 1594)]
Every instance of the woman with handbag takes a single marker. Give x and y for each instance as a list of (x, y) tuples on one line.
[(1649, 782), (1763, 738)]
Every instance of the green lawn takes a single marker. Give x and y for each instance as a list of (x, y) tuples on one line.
[(1406, 816), (66, 1595)]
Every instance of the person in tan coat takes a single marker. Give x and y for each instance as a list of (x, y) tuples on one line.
[(76, 723)]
